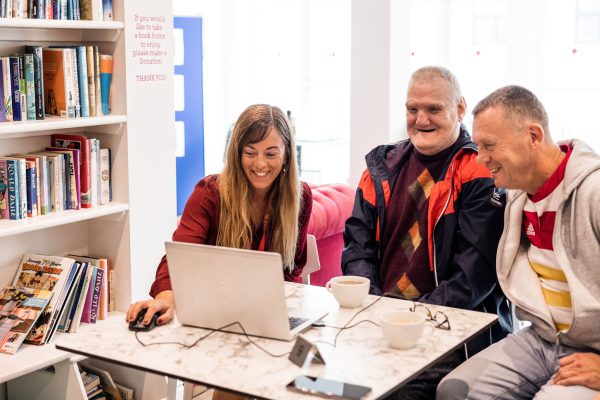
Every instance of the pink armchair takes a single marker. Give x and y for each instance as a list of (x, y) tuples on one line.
[(332, 205)]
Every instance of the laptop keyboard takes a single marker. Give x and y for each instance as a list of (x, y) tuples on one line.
[(294, 322)]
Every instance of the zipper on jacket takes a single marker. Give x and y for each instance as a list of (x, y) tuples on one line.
[(438, 220)]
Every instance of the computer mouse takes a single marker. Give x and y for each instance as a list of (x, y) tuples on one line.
[(138, 323)]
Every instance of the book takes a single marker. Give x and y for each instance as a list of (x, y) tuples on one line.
[(90, 380), (76, 306), (6, 84), (75, 80), (42, 272), (41, 187), (81, 143), (96, 295), (70, 83), (38, 78), (106, 67), (97, 75), (63, 300), (83, 80), (107, 10), (105, 185), (31, 188), (74, 178), (65, 313), (95, 171), (102, 264), (54, 179), (2, 106), (87, 304), (125, 392), (3, 190), (55, 89), (22, 88), (91, 80), (15, 78), (12, 189), (29, 85), (20, 186), (20, 309), (106, 380)]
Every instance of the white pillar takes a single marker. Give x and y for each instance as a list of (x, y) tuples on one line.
[(369, 81)]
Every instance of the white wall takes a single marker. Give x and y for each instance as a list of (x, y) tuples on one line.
[(347, 80)]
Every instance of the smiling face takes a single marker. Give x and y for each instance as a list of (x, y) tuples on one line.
[(433, 115), (506, 148), (263, 161)]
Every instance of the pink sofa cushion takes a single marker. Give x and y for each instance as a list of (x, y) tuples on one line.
[(332, 205)]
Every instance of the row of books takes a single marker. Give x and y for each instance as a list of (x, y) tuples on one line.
[(99, 385), (67, 82), (72, 173), (51, 293), (93, 10)]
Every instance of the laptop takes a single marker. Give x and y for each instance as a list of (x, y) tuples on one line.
[(215, 286)]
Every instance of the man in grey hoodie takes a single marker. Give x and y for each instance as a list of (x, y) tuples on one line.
[(548, 259)]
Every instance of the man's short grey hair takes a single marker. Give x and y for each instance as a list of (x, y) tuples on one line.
[(518, 103), (434, 72)]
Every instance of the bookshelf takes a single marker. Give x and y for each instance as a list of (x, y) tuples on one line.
[(131, 230)]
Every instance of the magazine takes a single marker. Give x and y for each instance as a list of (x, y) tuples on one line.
[(50, 273), (20, 308)]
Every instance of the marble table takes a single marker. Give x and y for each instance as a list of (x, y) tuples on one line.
[(228, 361)]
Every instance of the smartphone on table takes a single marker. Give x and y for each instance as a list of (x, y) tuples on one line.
[(328, 388)]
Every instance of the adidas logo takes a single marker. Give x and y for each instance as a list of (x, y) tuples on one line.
[(530, 231)]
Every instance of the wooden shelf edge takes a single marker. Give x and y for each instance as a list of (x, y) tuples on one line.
[(30, 358), (22, 23), (9, 130), (11, 227)]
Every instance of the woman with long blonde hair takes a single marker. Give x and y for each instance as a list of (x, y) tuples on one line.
[(256, 203)]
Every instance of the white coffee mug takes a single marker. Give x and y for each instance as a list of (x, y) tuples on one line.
[(403, 328), (349, 291)]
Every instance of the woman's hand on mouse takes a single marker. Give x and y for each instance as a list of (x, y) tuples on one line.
[(163, 303)]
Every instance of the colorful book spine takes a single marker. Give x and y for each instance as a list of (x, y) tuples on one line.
[(76, 92), (38, 71), (38, 79), (91, 80), (12, 176), (31, 187), (30, 85), (87, 305), (5, 75), (2, 107), (97, 75), (96, 295), (83, 144), (106, 67), (22, 165), (23, 88), (82, 73), (15, 77), (3, 190), (107, 10), (104, 176)]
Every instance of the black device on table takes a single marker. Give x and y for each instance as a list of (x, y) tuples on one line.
[(327, 388), (138, 323)]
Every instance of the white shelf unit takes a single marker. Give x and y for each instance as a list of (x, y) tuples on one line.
[(131, 230)]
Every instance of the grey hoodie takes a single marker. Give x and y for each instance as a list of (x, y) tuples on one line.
[(576, 242)]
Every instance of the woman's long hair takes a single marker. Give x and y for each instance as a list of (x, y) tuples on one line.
[(235, 225)]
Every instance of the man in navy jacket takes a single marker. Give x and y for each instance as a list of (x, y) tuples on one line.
[(427, 218)]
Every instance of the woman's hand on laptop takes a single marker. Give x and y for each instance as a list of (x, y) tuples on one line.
[(164, 303)]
